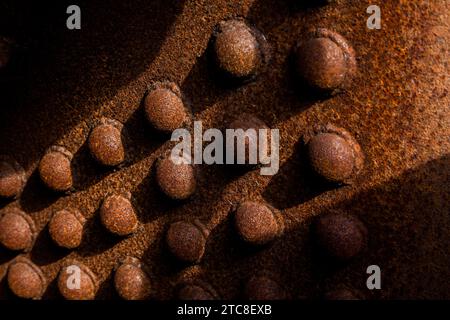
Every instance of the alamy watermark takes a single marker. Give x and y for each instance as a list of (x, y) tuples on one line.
[(239, 146), (73, 22), (74, 279), (374, 21), (374, 280)]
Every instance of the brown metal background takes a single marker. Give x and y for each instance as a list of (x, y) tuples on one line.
[(398, 109)]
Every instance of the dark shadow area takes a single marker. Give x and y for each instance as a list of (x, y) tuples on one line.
[(235, 171), (305, 96), (96, 239), (280, 84), (167, 265), (5, 201), (86, 171), (66, 74), (5, 292), (296, 5), (228, 259), (225, 235), (219, 77), (325, 265), (41, 255), (296, 182), (148, 195), (212, 180), (36, 196), (203, 86), (229, 172), (106, 290), (7, 255), (199, 206), (305, 93), (139, 138), (408, 222), (52, 291), (268, 14)]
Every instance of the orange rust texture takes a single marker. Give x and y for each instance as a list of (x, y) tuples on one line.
[(398, 110)]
